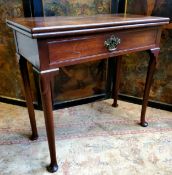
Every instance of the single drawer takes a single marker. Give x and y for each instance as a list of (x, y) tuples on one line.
[(80, 47)]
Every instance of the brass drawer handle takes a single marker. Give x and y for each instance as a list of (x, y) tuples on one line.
[(112, 43)]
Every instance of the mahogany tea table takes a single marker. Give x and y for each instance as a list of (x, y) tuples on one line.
[(49, 43)]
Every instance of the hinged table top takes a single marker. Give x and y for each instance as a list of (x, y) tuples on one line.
[(39, 27)]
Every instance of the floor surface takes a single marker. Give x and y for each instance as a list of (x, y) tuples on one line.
[(91, 139)]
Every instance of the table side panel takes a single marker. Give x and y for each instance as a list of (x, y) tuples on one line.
[(28, 48), (80, 47)]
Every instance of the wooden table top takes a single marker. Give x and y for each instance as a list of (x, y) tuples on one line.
[(44, 25)]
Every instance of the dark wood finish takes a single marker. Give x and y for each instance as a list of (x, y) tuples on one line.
[(45, 85), (76, 49), (54, 45), (43, 54), (46, 27), (47, 104), (152, 64), (116, 80), (28, 96)]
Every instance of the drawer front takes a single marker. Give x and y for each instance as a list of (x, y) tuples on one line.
[(92, 46)]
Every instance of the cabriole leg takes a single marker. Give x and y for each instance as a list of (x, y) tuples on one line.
[(28, 96), (116, 81), (153, 53), (45, 86)]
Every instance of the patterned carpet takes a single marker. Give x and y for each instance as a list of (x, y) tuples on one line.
[(92, 139)]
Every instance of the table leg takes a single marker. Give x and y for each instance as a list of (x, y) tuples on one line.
[(151, 68), (116, 80), (28, 96), (45, 86)]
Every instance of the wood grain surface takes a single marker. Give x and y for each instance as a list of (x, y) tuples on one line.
[(40, 25)]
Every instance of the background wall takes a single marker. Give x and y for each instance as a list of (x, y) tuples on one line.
[(76, 7), (10, 81)]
